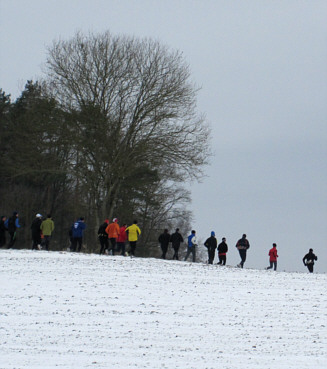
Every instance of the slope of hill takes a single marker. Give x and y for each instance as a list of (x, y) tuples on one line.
[(62, 310)]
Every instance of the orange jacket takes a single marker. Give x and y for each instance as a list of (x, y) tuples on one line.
[(113, 230)]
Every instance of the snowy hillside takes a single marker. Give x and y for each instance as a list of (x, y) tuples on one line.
[(61, 310)]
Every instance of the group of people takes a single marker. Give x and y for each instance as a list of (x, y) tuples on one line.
[(111, 236), (10, 225), (113, 239), (211, 244), (117, 237), (41, 230)]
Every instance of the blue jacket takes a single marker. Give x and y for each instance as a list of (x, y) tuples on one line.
[(13, 225), (78, 228), (189, 240)]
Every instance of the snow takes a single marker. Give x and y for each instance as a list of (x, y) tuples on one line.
[(65, 310)]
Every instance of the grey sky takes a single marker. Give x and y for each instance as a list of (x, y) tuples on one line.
[(262, 66)]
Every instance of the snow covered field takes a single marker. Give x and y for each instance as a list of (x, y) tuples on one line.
[(62, 310)]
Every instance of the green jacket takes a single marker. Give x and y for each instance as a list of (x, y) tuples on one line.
[(47, 227)]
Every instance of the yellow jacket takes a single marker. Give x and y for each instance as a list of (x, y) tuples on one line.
[(133, 232)]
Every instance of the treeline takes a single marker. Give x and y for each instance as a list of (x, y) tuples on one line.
[(111, 131)]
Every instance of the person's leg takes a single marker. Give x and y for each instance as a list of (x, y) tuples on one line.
[(271, 265), (133, 247), (123, 248), (211, 256), (106, 245), (193, 252), (47, 242), (275, 265), (34, 245), (12, 239), (243, 257), (101, 245), (163, 251), (113, 245), (38, 243), (240, 264), (310, 267), (80, 242), (187, 253), (74, 244), (38, 239), (223, 259)]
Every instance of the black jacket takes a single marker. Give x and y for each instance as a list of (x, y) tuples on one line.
[(243, 243), (309, 258), (35, 227), (222, 248), (176, 239), (2, 227), (211, 243), (164, 239), (12, 224), (102, 230)]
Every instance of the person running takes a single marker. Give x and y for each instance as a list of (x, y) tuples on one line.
[(222, 251), (309, 260), (164, 240), (242, 245), (12, 224), (103, 237), (191, 245), (133, 232), (36, 232), (113, 233), (121, 240), (176, 239), (273, 257), (211, 245), (77, 234), (3, 230), (47, 227)]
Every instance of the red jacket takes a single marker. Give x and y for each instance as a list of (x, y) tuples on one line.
[(273, 254), (122, 234)]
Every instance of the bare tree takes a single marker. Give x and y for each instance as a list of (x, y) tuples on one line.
[(134, 108)]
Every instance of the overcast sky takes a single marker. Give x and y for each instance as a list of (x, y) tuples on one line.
[(262, 68)]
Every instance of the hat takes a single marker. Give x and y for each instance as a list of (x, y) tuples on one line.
[(223, 239), (212, 233), (106, 221), (38, 215), (115, 220)]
